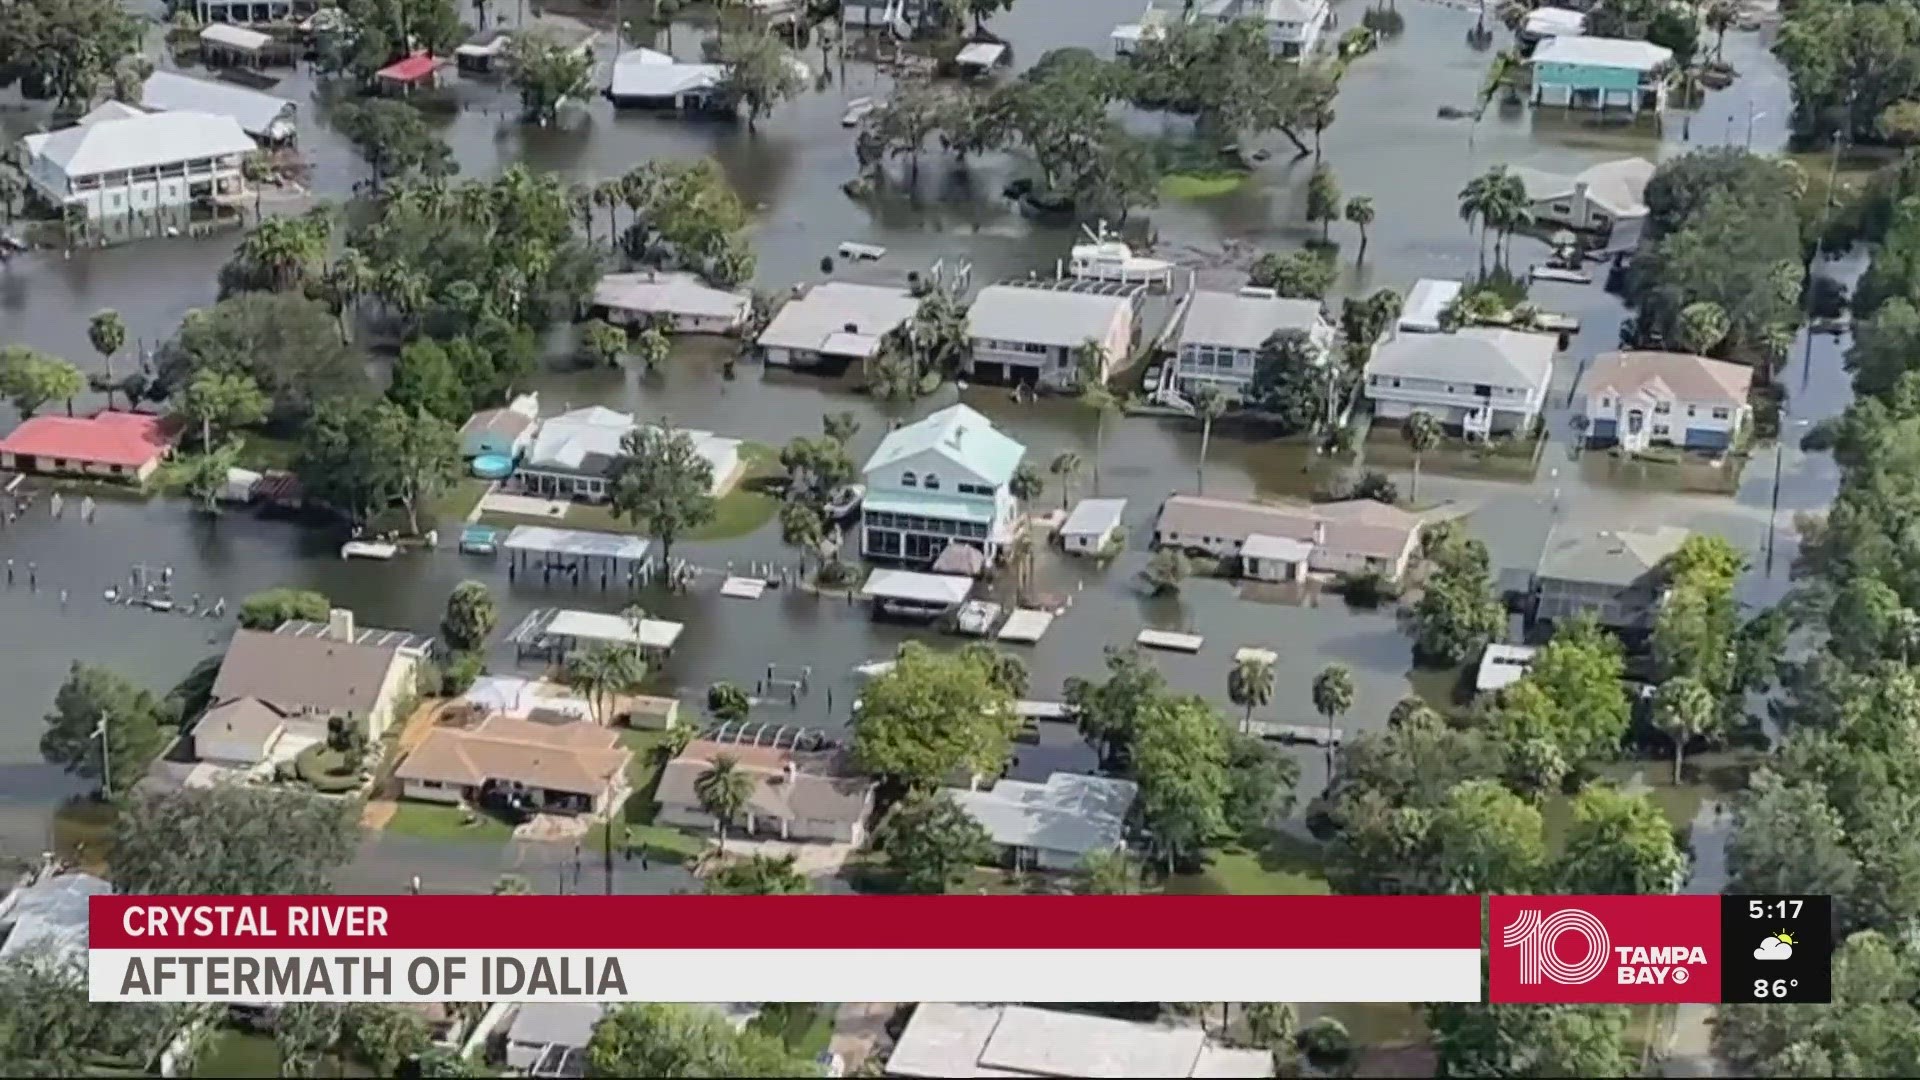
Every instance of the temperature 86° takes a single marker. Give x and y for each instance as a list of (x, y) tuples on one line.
[(1773, 988)]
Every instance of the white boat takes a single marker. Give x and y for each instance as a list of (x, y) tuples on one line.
[(1105, 258), (861, 252), (159, 603), (368, 549), (845, 501), (1554, 273), (857, 110), (873, 669)]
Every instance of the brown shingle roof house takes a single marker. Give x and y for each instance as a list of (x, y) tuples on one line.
[(796, 796), (1351, 536), (572, 766), (330, 671)]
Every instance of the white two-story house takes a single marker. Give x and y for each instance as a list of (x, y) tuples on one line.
[(1293, 26), (1220, 338), (938, 480), (1031, 333), (138, 171), (1636, 399), (1477, 381)]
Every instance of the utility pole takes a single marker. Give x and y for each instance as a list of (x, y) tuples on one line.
[(106, 760)]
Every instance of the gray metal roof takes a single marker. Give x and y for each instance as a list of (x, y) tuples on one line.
[(556, 1023), (807, 322), (1091, 517), (50, 914), (1241, 321), (1060, 318), (1477, 355), (260, 115), (1071, 812)]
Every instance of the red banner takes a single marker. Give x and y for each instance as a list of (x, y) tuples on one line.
[(1624, 949), (785, 922)]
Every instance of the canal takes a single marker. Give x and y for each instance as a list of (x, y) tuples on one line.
[(1387, 143)]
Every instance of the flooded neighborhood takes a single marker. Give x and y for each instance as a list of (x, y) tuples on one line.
[(1186, 444)]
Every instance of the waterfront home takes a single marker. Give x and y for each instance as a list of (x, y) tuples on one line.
[(251, 11), (1055, 825), (835, 321), (225, 43), (1092, 525), (646, 79), (1594, 200), (1477, 382), (566, 767), (573, 454), (1028, 333), (940, 479), (1293, 27), (247, 732), (137, 170), (1601, 73), (1615, 575), (1637, 399), (107, 445), (410, 73), (480, 53), (505, 432), (1549, 22), (263, 116), (1426, 302), (906, 18), (47, 916), (1019, 1041), (309, 673), (1220, 338), (1351, 537), (677, 302), (797, 795), (1501, 666)]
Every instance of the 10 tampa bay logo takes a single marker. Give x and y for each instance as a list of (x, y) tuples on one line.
[(1604, 949)]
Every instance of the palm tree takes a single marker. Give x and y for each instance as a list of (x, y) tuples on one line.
[(1332, 696), (723, 790), (1496, 200), (349, 278), (1208, 403), (1090, 361), (1360, 212), (108, 333), (1067, 466), (801, 526), (1250, 686), (1422, 433), (600, 674), (1026, 485), (1020, 554), (583, 197), (1684, 709)]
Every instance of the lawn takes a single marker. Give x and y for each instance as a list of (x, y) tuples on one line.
[(740, 512), (452, 508), (433, 821), (643, 776), (1505, 459), (804, 1028), (261, 452), (1278, 865)]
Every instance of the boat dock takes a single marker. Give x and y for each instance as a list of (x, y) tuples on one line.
[(1309, 734), (1170, 640), (1026, 626)]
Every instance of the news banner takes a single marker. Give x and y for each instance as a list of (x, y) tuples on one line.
[(1590, 949)]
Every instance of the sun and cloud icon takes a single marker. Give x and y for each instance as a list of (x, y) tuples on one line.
[(1777, 947)]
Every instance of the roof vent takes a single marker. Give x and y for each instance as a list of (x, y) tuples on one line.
[(1259, 292), (851, 328)]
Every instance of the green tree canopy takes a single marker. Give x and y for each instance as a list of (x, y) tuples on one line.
[(930, 842), (662, 484), (684, 1040), (230, 840), (103, 723), (288, 345), (1618, 843), (471, 615), (933, 715)]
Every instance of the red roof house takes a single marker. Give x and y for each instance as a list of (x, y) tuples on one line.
[(419, 69), (118, 445)]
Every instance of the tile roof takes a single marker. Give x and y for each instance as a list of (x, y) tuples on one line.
[(1058, 318), (1512, 358), (108, 438), (296, 673), (816, 792), (1680, 376), (956, 433), (1240, 321), (139, 141), (574, 756)]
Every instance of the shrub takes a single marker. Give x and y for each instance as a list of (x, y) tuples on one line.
[(1378, 487), (725, 701), (268, 609), (325, 770), (1368, 588), (460, 672), (1325, 1042)]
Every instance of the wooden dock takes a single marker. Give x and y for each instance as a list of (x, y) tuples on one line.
[(1310, 734)]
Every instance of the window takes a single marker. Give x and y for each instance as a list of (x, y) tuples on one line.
[(1606, 403), (1660, 429), (932, 482), (1721, 412), (1482, 390), (1690, 410), (907, 480), (1661, 408), (1562, 208)]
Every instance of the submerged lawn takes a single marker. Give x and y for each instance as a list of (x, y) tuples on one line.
[(1201, 186)]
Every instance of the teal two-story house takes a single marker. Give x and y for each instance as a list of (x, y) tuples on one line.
[(1601, 73), (938, 480)]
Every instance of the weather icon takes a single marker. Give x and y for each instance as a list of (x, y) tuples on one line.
[(1777, 947)]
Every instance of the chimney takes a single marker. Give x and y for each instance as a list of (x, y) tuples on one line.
[(340, 625)]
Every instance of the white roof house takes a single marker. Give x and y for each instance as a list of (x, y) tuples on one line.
[(587, 441), (1600, 52), (1245, 319), (1425, 302), (262, 116), (837, 318), (652, 292), (601, 628), (137, 142), (947, 590), (1474, 356), (1094, 517), (1013, 1042), (1029, 316), (229, 36), (1501, 666), (1546, 22), (958, 435), (110, 110), (49, 915), (1619, 188), (644, 74), (1067, 817)]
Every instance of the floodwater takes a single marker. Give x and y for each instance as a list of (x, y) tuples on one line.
[(1386, 143)]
